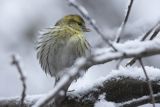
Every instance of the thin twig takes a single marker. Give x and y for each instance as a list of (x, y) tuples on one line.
[(149, 32), (149, 82), (155, 29), (140, 101), (22, 77), (91, 21), (122, 27)]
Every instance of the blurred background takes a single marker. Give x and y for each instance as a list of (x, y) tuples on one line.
[(21, 21)]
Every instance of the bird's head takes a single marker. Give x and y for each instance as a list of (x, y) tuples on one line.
[(74, 21)]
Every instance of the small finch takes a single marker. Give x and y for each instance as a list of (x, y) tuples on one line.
[(61, 45)]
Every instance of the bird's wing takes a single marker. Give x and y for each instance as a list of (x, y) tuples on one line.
[(55, 53)]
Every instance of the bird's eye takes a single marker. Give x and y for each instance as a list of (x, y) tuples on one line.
[(80, 24)]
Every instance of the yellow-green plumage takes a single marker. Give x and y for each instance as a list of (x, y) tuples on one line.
[(60, 46)]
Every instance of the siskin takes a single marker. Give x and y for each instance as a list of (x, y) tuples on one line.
[(61, 45)]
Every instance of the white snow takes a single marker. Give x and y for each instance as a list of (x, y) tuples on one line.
[(130, 47), (136, 72), (18, 17), (29, 98), (103, 103), (82, 86)]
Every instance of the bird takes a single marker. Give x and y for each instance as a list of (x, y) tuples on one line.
[(61, 45)]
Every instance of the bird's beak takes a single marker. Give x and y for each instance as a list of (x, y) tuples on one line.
[(85, 29)]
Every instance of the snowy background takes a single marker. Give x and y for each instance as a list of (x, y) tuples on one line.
[(21, 20)]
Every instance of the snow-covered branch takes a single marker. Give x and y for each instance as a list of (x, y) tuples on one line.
[(126, 86), (153, 32), (119, 86), (127, 50)]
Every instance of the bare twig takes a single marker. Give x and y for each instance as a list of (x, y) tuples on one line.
[(152, 48), (149, 32), (149, 82), (85, 14), (22, 77), (122, 27), (157, 30)]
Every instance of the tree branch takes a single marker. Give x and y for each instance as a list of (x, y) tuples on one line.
[(140, 101), (22, 77), (155, 29), (118, 87), (122, 27), (148, 81)]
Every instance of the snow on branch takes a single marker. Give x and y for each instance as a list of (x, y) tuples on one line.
[(127, 50), (153, 32), (118, 86)]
